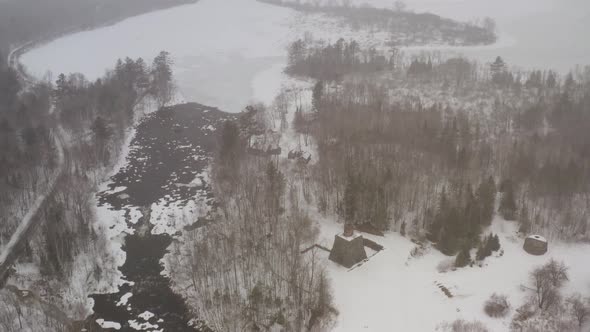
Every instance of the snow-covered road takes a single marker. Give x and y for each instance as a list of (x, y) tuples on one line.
[(8, 254)]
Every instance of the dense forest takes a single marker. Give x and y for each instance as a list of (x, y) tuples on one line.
[(245, 270), (334, 60), (424, 145)]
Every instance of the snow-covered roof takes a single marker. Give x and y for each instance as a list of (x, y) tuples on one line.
[(537, 237), (349, 238)]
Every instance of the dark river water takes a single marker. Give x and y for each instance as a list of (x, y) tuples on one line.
[(154, 167)]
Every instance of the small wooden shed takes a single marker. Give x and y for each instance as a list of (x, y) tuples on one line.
[(348, 248), (535, 245)]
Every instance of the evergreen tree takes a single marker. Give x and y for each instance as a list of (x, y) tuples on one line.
[(494, 242), (350, 199), (318, 91), (276, 180), (61, 87), (483, 251), (524, 222), (143, 81), (463, 258), (486, 194), (445, 244), (229, 150), (299, 123), (296, 53), (508, 203), (569, 82), (162, 78), (9, 88), (500, 75), (498, 66), (551, 81), (101, 129)]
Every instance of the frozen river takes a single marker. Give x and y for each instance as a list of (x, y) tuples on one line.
[(222, 48)]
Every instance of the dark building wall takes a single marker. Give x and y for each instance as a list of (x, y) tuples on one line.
[(535, 247), (348, 253)]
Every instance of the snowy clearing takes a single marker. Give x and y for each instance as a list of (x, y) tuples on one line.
[(401, 294), (108, 325)]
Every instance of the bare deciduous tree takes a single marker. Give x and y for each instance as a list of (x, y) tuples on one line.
[(580, 308), (546, 281)]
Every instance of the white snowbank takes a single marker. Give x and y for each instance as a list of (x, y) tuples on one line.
[(124, 299), (108, 325), (169, 215), (143, 326), (146, 315), (538, 238)]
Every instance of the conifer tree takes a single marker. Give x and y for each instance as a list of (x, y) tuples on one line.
[(463, 258), (318, 91), (508, 203), (162, 78)]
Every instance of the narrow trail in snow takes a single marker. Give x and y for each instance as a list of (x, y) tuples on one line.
[(26, 226)]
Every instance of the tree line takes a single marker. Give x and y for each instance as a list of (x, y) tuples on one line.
[(417, 161), (91, 119), (332, 61)]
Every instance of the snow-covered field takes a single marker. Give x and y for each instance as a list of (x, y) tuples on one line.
[(395, 292)]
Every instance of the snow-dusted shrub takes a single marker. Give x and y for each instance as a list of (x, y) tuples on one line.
[(497, 306), (446, 265), (541, 321), (461, 325), (522, 315), (579, 308), (418, 251)]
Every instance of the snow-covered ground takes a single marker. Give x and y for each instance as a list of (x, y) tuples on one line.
[(394, 292)]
